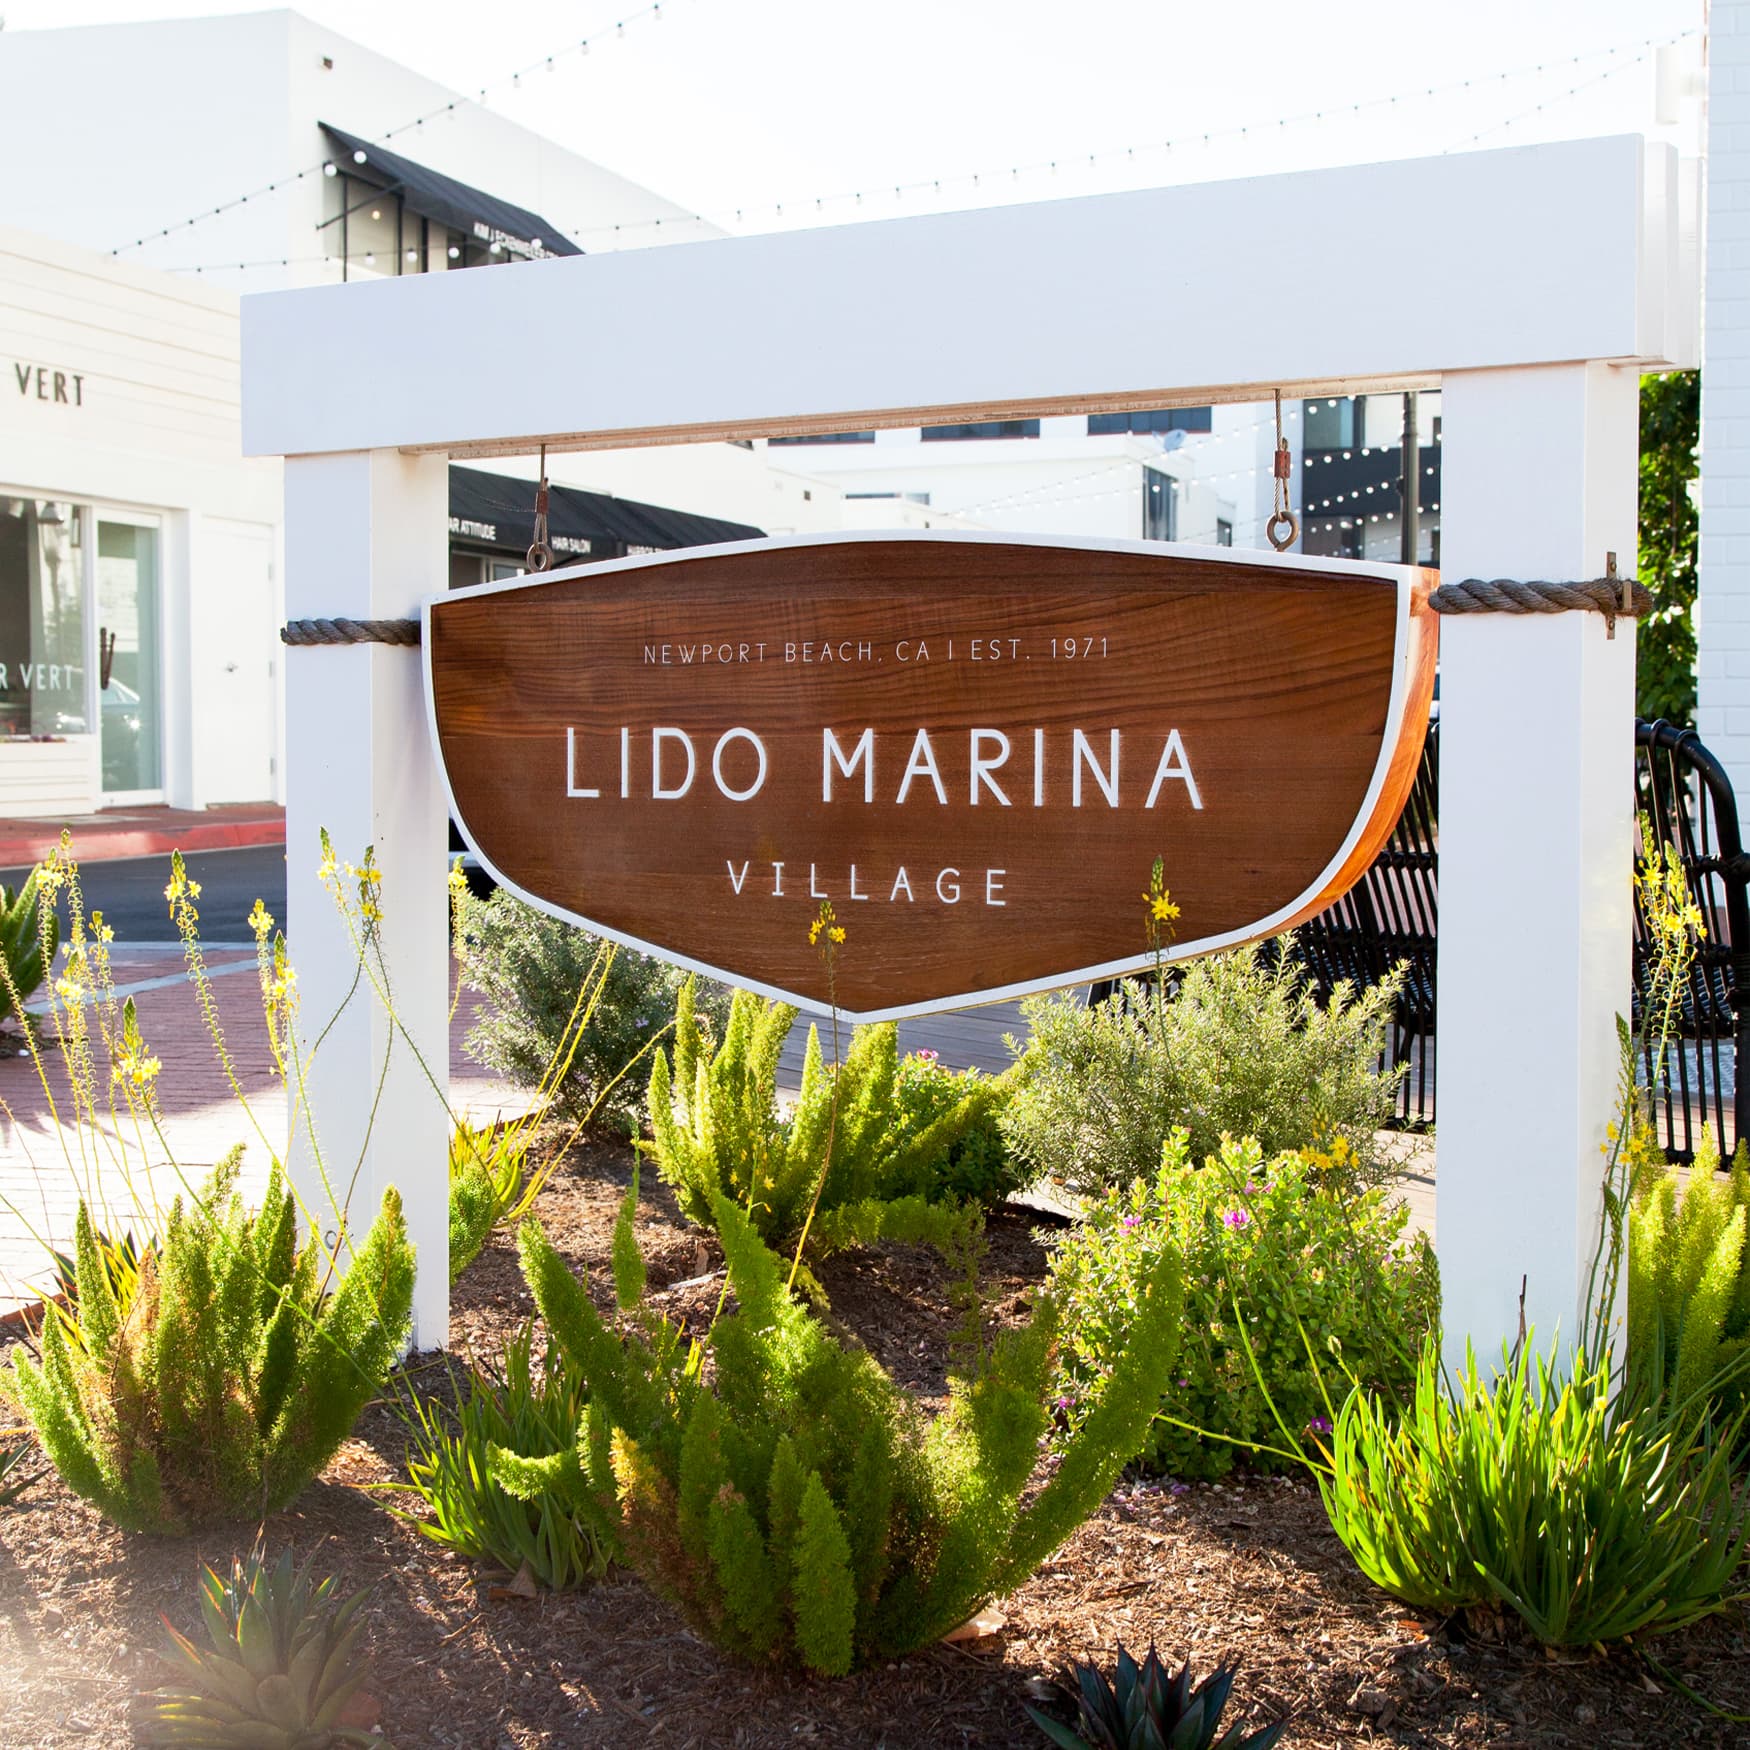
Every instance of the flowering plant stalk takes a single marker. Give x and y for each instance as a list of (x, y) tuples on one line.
[(827, 935)]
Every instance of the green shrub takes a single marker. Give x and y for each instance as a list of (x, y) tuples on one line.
[(1591, 1516), (1243, 1049), (789, 1497), (718, 1132), (979, 1165), (449, 1469), (1284, 1244), (530, 967), (224, 1374), (491, 1185), (1688, 1288)]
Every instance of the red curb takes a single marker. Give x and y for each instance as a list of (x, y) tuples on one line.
[(99, 845)]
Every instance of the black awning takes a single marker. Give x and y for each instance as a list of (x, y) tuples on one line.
[(494, 510), (483, 217)]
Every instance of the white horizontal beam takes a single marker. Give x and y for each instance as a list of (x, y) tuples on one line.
[(1209, 291)]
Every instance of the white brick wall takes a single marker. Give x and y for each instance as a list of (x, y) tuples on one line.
[(1723, 663)]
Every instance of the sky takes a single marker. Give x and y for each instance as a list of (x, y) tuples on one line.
[(770, 114)]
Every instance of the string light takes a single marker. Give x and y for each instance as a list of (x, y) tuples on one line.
[(1572, 91), (672, 222), (1638, 51), (326, 167)]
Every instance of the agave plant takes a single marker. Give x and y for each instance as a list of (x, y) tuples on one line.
[(1146, 1710), (281, 1668), (29, 934)]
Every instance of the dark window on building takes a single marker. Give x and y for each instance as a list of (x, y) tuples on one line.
[(827, 437), (1224, 532), (42, 618), (1159, 506), (1160, 419), (984, 428), (1328, 424), (1333, 537)]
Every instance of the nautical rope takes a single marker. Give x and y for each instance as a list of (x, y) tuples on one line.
[(1609, 596), (350, 632), (1474, 595)]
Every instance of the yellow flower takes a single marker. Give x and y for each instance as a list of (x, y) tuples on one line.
[(814, 932), (1162, 909), (260, 919), (836, 933)]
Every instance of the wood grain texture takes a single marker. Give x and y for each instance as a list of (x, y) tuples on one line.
[(1265, 690)]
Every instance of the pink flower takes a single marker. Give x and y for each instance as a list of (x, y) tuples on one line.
[(1131, 1221), (1237, 1218), (925, 1055)]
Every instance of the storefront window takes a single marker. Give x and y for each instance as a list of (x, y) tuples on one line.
[(127, 611), (42, 623)]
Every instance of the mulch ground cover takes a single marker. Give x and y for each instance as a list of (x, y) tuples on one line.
[(1247, 1570)]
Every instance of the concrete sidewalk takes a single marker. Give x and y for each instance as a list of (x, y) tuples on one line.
[(145, 831), (45, 1166)]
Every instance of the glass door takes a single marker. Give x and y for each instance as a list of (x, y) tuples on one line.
[(128, 663)]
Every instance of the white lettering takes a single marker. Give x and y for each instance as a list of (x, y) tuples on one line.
[(854, 893), (1166, 769), (922, 764), (735, 880), (1038, 768), (571, 788), (992, 886), (983, 765), (813, 891), (759, 747), (658, 793), (948, 898), (901, 880), (832, 754), (625, 762), (1084, 753), (777, 881)]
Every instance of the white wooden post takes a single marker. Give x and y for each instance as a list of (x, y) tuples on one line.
[(1536, 817), (367, 534), (1723, 621)]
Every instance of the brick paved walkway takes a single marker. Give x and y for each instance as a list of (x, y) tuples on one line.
[(43, 1170)]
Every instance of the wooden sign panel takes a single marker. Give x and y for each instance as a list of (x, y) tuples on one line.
[(975, 746)]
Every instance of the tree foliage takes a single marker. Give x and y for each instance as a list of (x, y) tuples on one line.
[(1665, 639)]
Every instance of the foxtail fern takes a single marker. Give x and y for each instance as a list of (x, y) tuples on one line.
[(718, 1133), (215, 1381), (790, 1498)]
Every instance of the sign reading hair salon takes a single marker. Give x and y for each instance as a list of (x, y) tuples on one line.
[(975, 746)]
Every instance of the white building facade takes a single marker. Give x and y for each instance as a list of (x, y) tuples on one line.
[(139, 552)]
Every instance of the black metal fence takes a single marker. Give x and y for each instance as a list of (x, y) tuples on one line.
[(1683, 798), (1389, 916)]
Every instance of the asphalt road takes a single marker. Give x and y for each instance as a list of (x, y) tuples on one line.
[(130, 892)]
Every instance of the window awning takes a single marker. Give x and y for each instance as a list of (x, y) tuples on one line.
[(480, 216), (494, 510)]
